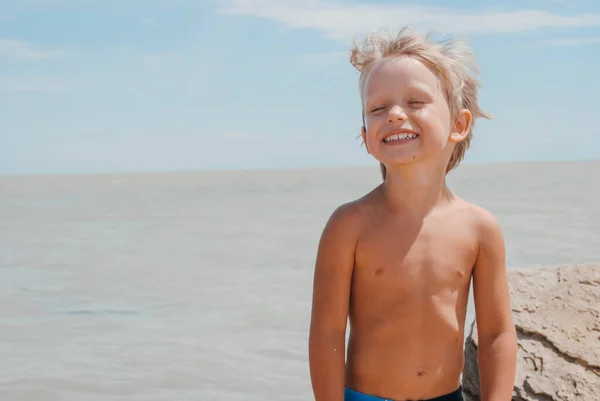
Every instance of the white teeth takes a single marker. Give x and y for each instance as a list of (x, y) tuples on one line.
[(399, 137)]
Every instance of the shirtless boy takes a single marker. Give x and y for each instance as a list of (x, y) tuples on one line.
[(398, 262)]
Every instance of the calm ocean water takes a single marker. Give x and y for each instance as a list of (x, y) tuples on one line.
[(197, 286)]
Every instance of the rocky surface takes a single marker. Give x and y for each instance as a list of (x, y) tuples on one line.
[(557, 316)]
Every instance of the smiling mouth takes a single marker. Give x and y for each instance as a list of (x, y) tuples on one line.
[(400, 138)]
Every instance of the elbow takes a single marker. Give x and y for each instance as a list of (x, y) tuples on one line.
[(490, 333), (326, 342), (508, 333), (321, 337), (326, 330), (499, 342)]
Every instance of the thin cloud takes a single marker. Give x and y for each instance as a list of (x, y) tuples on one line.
[(322, 58), (237, 135), (302, 138), (112, 5), (36, 85), (343, 21), (149, 21), (20, 50), (152, 61), (158, 61), (574, 41)]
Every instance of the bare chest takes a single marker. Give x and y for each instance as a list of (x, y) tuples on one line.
[(399, 260)]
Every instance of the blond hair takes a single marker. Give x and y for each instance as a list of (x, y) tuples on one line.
[(451, 60)]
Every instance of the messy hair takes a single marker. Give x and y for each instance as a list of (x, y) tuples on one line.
[(451, 60)]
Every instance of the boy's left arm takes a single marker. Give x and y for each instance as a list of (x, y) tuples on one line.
[(497, 349)]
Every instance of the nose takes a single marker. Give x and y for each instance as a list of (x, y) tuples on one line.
[(396, 114)]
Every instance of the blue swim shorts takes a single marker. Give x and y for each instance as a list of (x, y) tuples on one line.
[(351, 395)]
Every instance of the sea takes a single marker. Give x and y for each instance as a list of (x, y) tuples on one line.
[(197, 285)]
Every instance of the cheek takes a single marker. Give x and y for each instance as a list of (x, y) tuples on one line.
[(372, 127), (432, 123), (371, 138)]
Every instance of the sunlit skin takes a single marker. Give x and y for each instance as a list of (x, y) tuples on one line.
[(398, 262)]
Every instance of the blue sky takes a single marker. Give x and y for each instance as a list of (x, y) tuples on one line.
[(114, 85)]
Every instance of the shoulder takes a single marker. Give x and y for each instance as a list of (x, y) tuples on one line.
[(351, 216), (480, 220), (487, 226), (484, 228), (344, 226), (483, 220), (488, 232), (345, 220)]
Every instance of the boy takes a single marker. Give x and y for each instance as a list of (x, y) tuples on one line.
[(398, 262)]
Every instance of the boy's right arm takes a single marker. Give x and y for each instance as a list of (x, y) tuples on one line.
[(330, 305)]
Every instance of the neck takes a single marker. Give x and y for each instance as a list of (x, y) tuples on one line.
[(416, 187)]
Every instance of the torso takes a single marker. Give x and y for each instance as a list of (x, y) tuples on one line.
[(409, 295)]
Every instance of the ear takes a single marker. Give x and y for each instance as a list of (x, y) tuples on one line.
[(461, 127), (363, 132)]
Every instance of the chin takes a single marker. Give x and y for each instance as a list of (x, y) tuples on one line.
[(399, 160)]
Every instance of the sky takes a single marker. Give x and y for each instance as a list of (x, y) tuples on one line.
[(92, 86)]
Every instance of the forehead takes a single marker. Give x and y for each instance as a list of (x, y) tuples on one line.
[(393, 73)]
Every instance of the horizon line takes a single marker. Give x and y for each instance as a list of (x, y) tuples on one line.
[(268, 169)]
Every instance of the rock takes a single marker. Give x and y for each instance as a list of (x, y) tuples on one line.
[(557, 316)]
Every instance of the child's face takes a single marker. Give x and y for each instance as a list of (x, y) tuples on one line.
[(403, 97)]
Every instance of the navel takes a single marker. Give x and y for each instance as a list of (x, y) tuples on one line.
[(421, 372)]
